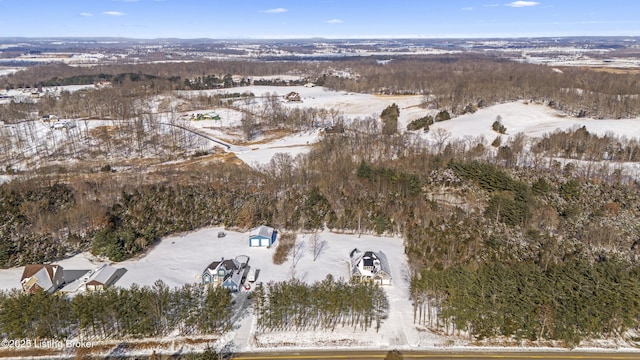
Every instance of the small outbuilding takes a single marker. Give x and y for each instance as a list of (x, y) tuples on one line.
[(102, 278), (262, 236)]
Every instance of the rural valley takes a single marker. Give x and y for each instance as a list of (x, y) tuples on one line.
[(203, 198)]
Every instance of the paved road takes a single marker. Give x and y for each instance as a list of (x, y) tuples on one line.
[(365, 355)]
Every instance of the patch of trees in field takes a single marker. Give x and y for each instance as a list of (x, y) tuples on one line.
[(324, 305), (117, 313)]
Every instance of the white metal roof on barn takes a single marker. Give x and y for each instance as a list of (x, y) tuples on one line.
[(262, 230)]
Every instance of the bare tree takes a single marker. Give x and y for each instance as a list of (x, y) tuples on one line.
[(247, 124), (441, 136), (317, 245), (296, 255)]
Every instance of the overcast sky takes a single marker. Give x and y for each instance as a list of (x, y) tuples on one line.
[(233, 19)]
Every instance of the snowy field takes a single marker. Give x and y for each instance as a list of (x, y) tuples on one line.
[(4, 70), (534, 120), (531, 119)]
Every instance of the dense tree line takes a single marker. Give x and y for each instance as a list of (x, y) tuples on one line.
[(117, 313), (28, 216), (324, 305), (569, 301)]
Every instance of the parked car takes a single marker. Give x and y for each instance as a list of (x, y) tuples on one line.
[(221, 234), (251, 277)]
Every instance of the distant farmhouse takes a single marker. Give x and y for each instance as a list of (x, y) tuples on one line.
[(47, 278), (228, 274), (262, 236), (370, 266), (293, 96)]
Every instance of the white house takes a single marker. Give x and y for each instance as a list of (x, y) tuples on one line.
[(262, 236), (370, 266)]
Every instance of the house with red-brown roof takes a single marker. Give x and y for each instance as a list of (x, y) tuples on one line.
[(37, 277)]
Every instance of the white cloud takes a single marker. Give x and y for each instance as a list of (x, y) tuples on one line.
[(467, 8), (334, 21), (86, 14), (276, 11), (518, 4), (113, 13)]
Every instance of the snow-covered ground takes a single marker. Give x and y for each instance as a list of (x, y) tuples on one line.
[(531, 119), (534, 120), (9, 70), (179, 260)]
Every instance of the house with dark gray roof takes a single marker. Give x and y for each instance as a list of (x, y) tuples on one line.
[(370, 266), (229, 274)]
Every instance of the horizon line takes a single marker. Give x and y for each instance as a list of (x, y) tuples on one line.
[(309, 37)]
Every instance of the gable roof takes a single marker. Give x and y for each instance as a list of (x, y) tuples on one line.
[(102, 276), (214, 265), (376, 260), (40, 277), (262, 230), (230, 264)]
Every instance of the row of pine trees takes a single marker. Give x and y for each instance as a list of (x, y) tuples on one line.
[(146, 311), (324, 305)]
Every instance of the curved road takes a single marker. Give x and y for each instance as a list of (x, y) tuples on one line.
[(217, 141), (435, 355)]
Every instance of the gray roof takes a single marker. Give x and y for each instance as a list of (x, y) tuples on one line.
[(262, 230), (230, 264), (214, 265), (103, 275), (237, 275), (384, 263), (106, 275)]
